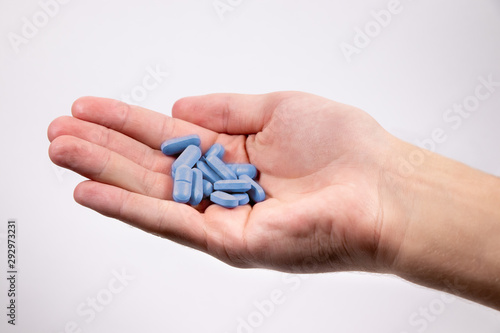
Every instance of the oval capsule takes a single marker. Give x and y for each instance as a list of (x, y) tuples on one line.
[(220, 167), (177, 145), (244, 169), (243, 198), (236, 186), (189, 157), (224, 199), (182, 184), (208, 173), (217, 149), (197, 188), (207, 188), (256, 193)]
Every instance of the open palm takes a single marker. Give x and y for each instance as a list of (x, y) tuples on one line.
[(320, 164)]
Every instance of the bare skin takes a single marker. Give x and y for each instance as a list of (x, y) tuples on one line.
[(337, 198)]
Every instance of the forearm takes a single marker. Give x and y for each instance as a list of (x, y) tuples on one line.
[(451, 213)]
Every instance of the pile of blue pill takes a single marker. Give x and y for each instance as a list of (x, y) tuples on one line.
[(197, 177)]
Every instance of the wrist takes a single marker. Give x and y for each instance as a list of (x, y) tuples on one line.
[(444, 224)]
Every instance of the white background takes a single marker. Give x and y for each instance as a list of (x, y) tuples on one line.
[(427, 58)]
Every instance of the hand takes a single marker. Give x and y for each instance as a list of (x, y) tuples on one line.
[(320, 164), (337, 196)]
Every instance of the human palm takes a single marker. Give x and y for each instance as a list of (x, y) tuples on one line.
[(320, 164)]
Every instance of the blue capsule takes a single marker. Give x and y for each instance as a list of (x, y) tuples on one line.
[(243, 198), (220, 167), (183, 184), (189, 157), (227, 185), (244, 169), (256, 193), (197, 188), (224, 199), (216, 150), (208, 173), (207, 188), (177, 145), (233, 186)]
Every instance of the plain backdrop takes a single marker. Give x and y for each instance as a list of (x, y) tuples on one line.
[(427, 57)]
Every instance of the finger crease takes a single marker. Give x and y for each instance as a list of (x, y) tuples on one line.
[(163, 208), (168, 126), (225, 118), (105, 164), (125, 116), (124, 203), (147, 183)]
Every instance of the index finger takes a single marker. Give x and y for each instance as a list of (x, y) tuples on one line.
[(228, 113), (149, 127)]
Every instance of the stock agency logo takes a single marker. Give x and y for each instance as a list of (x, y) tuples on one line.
[(31, 26), (453, 119), (363, 37)]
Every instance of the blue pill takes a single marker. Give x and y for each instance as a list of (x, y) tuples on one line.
[(177, 145), (220, 167), (238, 186), (243, 198), (197, 188), (208, 173), (189, 157), (216, 150), (183, 184), (256, 193), (207, 188), (244, 169), (224, 199)]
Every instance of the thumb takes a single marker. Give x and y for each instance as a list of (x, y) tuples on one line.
[(227, 113)]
